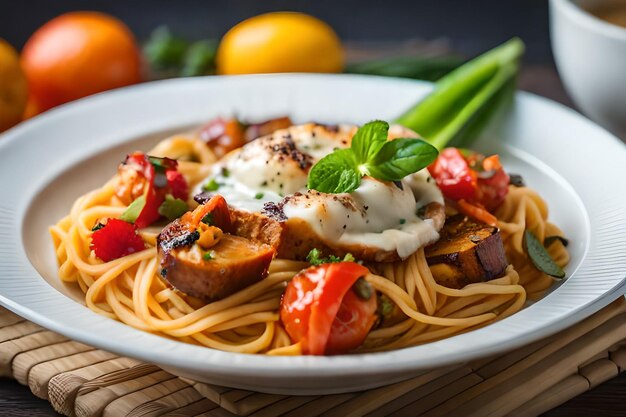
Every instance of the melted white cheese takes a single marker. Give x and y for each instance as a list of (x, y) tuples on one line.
[(378, 214)]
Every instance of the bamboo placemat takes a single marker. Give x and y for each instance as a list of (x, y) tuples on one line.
[(79, 380)]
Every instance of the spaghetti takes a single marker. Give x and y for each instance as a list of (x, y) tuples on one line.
[(130, 290)]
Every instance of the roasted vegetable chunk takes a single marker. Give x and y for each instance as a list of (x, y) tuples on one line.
[(467, 252), (201, 260)]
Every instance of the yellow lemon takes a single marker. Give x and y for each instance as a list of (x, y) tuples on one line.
[(280, 42), (13, 87)]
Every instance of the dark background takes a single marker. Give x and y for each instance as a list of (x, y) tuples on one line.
[(471, 26)]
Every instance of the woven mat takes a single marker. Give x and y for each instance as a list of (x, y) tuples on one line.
[(80, 380)]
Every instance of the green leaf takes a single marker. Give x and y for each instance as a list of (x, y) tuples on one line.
[(368, 140), (208, 255), (551, 239), (315, 258), (429, 68), (335, 173), (540, 257), (199, 59), (208, 219), (258, 196), (401, 157), (172, 208), (212, 185), (163, 50), (132, 212)]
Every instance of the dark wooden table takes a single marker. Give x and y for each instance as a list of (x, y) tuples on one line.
[(609, 399)]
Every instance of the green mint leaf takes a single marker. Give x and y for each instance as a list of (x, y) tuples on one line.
[(540, 257), (212, 185), (134, 210), (172, 208), (335, 173), (401, 157), (368, 140)]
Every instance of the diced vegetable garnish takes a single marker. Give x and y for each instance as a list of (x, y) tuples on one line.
[(115, 239), (155, 178)]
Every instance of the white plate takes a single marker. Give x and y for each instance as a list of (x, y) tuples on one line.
[(47, 162)]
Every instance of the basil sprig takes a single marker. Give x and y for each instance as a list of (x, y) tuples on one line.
[(540, 256), (370, 154)]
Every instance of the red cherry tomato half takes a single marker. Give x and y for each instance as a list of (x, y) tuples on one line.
[(472, 177), (320, 310), (454, 176)]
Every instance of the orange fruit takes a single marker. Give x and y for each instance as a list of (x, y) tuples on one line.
[(78, 54), (13, 87), (280, 42)]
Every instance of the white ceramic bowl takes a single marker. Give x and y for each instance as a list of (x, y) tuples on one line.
[(47, 162), (590, 54)]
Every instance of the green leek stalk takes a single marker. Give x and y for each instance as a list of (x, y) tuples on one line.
[(464, 100)]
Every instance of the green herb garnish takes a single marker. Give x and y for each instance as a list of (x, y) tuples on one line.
[(315, 258), (551, 239), (172, 208), (208, 256), (97, 227), (157, 163), (370, 154), (212, 185), (133, 211), (402, 221), (208, 219), (363, 289), (540, 257), (258, 196)]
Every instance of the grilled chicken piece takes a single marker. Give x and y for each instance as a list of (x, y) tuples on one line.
[(294, 238), (232, 263), (467, 252)]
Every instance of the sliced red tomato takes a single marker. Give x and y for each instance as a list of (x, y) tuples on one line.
[(470, 176), (352, 324), (115, 239), (454, 176), (320, 311)]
